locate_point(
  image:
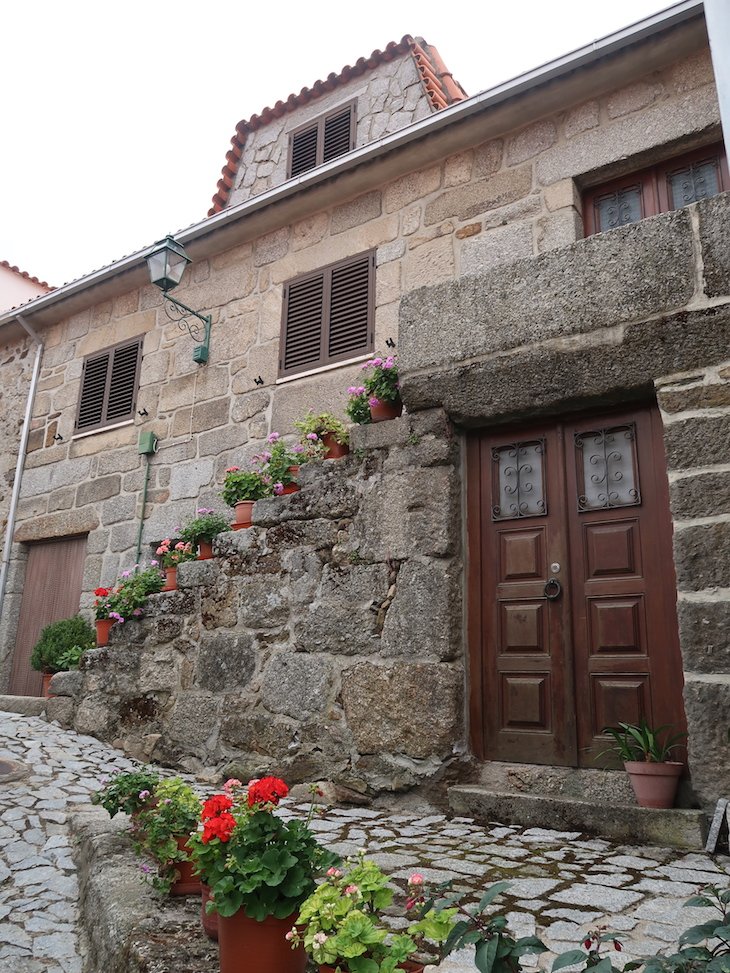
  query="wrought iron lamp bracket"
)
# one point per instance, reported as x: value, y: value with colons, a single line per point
x: 181, y: 314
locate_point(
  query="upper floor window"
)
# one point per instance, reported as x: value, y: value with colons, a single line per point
x: 319, y: 141
x: 669, y: 185
x: 109, y: 383
x: 328, y: 315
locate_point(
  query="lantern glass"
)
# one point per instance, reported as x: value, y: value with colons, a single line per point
x: 167, y: 263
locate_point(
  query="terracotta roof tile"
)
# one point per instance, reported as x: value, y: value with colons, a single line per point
x: 438, y: 83
x: 26, y: 276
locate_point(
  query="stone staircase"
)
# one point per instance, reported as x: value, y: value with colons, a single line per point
x: 570, y: 799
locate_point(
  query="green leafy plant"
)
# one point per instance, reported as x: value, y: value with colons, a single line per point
x: 207, y: 525
x: 357, y: 407
x: 278, y: 459
x: 342, y: 923
x: 642, y: 743
x: 71, y: 657
x: 171, y: 555
x: 128, y: 598
x: 381, y: 380
x: 496, y: 950
x: 127, y: 791
x: 324, y: 424
x: 245, y: 485
x: 704, y: 948
x: 252, y: 859
x: 173, y: 814
x: 51, y: 651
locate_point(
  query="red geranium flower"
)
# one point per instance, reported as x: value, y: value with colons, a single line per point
x: 221, y: 827
x: 268, y: 790
x: 216, y: 805
x: 101, y: 592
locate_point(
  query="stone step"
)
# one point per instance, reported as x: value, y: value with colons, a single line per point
x: 27, y: 705
x: 626, y: 823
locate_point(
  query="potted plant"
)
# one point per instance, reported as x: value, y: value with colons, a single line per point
x: 646, y: 753
x: 125, y: 599
x: 382, y: 388
x: 128, y: 791
x: 260, y: 869
x: 164, y: 827
x: 60, y: 646
x: 241, y: 489
x: 357, y: 407
x: 202, y: 529
x: 281, y: 463
x: 103, y: 607
x: 324, y: 430
x: 342, y: 924
x: 170, y: 555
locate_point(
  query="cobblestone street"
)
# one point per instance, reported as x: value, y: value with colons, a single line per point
x: 562, y: 883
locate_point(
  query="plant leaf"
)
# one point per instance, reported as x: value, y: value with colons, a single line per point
x: 491, y: 894
x: 570, y: 958
x: 485, y: 955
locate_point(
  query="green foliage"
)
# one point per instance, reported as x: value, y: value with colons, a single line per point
x: 381, y: 379
x: 641, y: 742
x: 279, y: 457
x: 71, y: 657
x: 245, y: 485
x: 357, y: 407
x: 128, y: 792
x: 173, y: 814
x: 267, y: 868
x: 58, y: 642
x: 204, y: 527
x: 341, y: 923
x: 321, y: 425
x: 129, y: 598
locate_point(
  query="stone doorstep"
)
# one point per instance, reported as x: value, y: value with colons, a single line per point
x: 677, y: 828
x: 27, y: 705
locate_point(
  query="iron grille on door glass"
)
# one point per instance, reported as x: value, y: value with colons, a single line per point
x: 109, y: 386
x: 325, y: 139
x: 328, y: 316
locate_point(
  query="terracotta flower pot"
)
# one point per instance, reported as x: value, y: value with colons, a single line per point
x: 655, y: 785
x: 334, y: 450
x: 241, y: 939
x: 209, y: 919
x: 205, y: 550
x: 243, y: 511
x: 291, y: 487
x: 103, y: 627
x: 187, y: 883
x: 47, y: 676
x: 171, y: 582
x: 386, y: 410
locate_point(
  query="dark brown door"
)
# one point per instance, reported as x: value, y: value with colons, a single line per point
x: 571, y: 589
x: 52, y: 591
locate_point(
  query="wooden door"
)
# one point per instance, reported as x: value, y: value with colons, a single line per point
x: 52, y: 591
x: 572, y: 621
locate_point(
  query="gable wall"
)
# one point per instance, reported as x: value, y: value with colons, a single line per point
x: 388, y: 98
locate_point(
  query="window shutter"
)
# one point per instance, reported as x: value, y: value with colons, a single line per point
x: 350, y: 309
x: 303, y: 324
x: 337, y: 135
x: 304, y: 151
x: 93, y: 391
x: 123, y: 385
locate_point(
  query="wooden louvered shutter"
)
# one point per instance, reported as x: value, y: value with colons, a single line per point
x: 302, y: 338
x: 93, y: 391
x: 337, y: 134
x: 350, y: 311
x: 303, y: 151
x: 123, y: 383
x: 328, y: 317
x: 109, y: 386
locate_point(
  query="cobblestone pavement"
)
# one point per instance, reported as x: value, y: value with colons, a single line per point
x: 562, y: 884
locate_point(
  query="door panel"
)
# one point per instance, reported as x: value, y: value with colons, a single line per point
x: 572, y: 616
x: 52, y: 591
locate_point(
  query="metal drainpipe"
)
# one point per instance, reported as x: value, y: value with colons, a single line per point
x: 717, y: 16
x: 22, y: 450
x: 141, y: 513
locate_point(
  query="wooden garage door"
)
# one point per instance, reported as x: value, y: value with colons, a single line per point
x: 572, y: 590
x: 52, y: 591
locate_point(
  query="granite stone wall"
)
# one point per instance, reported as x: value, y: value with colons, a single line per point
x: 324, y: 642
x: 16, y: 363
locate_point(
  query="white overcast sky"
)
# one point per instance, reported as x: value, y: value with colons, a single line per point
x: 116, y: 117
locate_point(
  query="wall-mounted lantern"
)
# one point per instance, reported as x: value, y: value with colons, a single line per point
x: 166, y: 264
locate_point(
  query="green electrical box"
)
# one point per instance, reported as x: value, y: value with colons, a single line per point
x: 147, y: 444
x: 200, y: 354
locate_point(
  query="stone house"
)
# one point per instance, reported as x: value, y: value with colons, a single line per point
x: 537, y: 549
